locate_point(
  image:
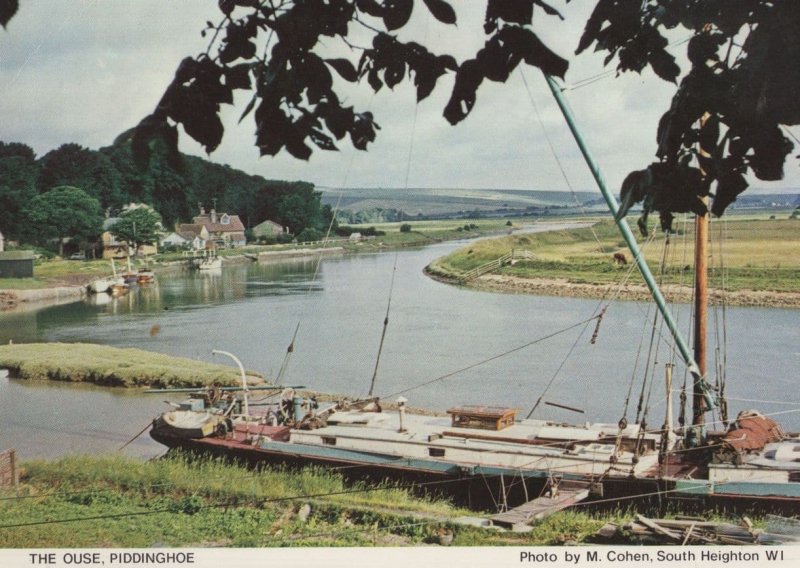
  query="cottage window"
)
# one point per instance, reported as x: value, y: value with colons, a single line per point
x: 225, y: 219
x: 436, y: 452
x: 329, y: 440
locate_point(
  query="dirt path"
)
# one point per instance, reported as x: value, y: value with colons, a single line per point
x: 681, y: 294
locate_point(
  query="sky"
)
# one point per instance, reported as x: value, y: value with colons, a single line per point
x: 84, y: 71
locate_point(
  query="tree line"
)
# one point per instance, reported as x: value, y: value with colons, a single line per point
x: 69, y: 191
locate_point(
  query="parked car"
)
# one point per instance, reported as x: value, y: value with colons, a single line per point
x: 77, y: 256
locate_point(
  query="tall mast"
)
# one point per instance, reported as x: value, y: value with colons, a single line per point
x: 700, y: 385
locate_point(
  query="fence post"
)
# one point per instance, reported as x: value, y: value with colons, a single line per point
x: 8, y: 468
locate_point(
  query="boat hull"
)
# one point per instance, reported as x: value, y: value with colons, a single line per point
x: 475, y: 487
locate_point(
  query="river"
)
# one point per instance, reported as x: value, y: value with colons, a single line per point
x: 339, y: 304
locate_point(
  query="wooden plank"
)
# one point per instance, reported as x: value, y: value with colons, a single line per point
x: 653, y: 525
x: 540, y: 508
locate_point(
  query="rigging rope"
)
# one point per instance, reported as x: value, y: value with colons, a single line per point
x: 493, y: 358
x: 396, y: 254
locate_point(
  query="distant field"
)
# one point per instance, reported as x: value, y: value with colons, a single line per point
x: 432, y: 202
x: 428, y: 202
x: 755, y: 254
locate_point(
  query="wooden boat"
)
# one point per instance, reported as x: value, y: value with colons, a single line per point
x: 485, y: 456
x: 210, y: 263
x: 111, y: 284
x: 477, y: 454
x: 129, y: 274
x: 100, y: 285
x: 145, y: 276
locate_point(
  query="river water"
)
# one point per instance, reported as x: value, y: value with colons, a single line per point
x: 338, y: 306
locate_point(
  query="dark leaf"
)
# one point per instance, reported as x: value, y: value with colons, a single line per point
x: 344, y: 68
x: 191, y: 107
x: 271, y: 128
x: 397, y: 13
x: 238, y: 77
x: 153, y: 130
x: 666, y: 188
x: 394, y: 73
x: 525, y: 44
x: 709, y: 134
x: 511, y: 11
x: 703, y: 47
x: 312, y: 73
x: 238, y: 44
x: 298, y: 148
x: 249, y: 108
x: 371, y: 7
x: 594, y: 24
x: 770, y: 148
x: 7, y: 10
x: 664, y: 65
x: 374, y: 80
x: 441, y: 10
x: 322, y: 140
x: 548, y: 8
x: 729, y: 186
x: 362, y: 131
x: 227, y: 6
x: 497, y: 60
x: 468, y: 79
x: 338, y: 120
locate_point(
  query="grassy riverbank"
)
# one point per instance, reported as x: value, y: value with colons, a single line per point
x: 110, y: 366
x: 54, y: 272
x: 748, y: 255
x: 114, y: 501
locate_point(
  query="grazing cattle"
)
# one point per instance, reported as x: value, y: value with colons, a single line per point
x: 619, y: 258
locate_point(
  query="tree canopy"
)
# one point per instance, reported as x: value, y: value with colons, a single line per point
x: 724, y: 122
x: 725, y: 118
x: 64, y: 212
x: 138, y: 226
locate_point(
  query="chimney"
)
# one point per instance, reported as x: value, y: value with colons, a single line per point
x: 202, y: 210
x: 213, y: 215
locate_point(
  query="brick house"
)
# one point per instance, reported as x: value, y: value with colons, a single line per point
x: 223, y: 229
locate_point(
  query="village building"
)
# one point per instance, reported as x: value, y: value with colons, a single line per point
x: 16, y: 264
x: 268, y: 229
x: 188, y: 235
x: 115, y: 248
x: 112, y: 247
x: 223, y: 229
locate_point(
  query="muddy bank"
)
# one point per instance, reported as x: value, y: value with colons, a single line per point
x: 680, y: 294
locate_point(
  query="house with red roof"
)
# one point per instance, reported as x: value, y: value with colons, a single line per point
x: 223, y: 229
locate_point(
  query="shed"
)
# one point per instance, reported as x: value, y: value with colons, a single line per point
x: 16, y: 264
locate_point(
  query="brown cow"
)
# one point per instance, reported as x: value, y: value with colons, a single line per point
x: 619, y: 258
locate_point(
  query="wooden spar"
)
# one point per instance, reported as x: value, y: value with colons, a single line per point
x: 625, y: 229
x: 225, y: 389
x: 700, y: 314
x: 701, y: 388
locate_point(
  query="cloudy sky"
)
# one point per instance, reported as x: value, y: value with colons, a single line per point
x: 85, y: 70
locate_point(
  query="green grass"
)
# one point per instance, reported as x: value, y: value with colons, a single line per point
x: 111, y: 366
x: 179, y: 500
x: 21, y: 284
x: 759, y: 254
x: 115, y: 501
